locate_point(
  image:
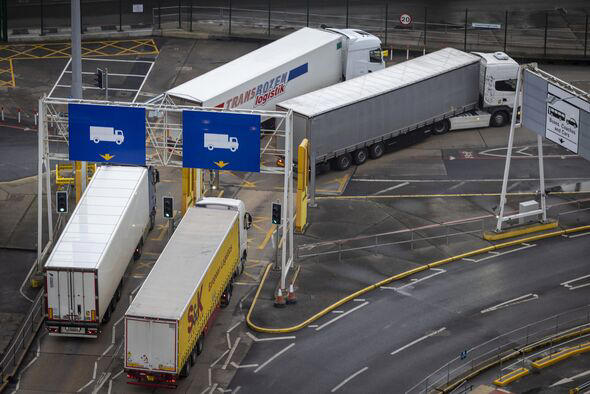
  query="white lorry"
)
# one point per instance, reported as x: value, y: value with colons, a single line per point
x: 448, y: 89
x: 300, y: 62
x: 220, y: 141
x: 108, y: 134
x: 84, y: 272
x: 176, y: 305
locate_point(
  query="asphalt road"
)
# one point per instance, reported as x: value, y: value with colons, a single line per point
x: 387, y: 321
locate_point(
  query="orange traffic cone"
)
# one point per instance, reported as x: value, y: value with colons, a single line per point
x: 279, y: 299
x: 291, y: 299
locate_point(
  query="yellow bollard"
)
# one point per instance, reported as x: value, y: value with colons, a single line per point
x: 302, y: 184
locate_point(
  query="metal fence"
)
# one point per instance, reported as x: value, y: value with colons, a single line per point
x: 22, y: 340
x: 568, y: 214
x: 509, y: 351
x: 534, y: 32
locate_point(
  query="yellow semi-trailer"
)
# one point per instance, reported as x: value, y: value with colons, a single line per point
x: 175, y: 307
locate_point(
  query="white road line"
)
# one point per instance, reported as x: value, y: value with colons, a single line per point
x: 419, y: 340
x: 231, y: 352
x: 578, y: 235
x: 102, y: 381
x: 312, y: 326
x: 501, y: 253
x: 514, y: 301
x: 387, y: 287
x: 359, y: 300
x: 573, y: 287
x: 415, y: 281
x: 210, y: 381
x: 337, y: 312
x: 457, y: 185
x: 569, y: 380
x: 233, y: 364
x: 234, y: 326
x: 391, y: 188
x: 228, y: 340
x: 115, y: 376
x: 213, y: 388
x: 342, y: 315
x: 236, y: 389
x: 106, y: 350
x: 219, y: 359
x: 273, y: 357
x: 86, y: 385
x: 269, y: 339
x: 360, y: 371
x: 143, y: 82
x: 94, y: 372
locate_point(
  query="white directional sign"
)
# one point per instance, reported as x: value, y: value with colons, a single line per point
x: 563, y: 119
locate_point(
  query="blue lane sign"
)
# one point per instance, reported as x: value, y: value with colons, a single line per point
x: 217, y: 140
x: 108, y: 134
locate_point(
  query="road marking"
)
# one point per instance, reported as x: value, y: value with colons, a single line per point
x: 415, y: 281
x: 496, y: 254
x: 458, y: 185
x: 337, y: 312
x: 86, y: 385
x: 577, y: 235
x: 312, y: 326
x: 234, y: 326
x: 358, y: 299
x: 231, y: 352
x: 569, y: 380
x: 233, y: 364
x: 573, y: 287
x: 415, y: 341
x: 269, y: 234
x: 342, y: 315
x: 348, y: 379
x: 391, y: 188
x: 101, y: 382
x: 219, y: 359
x: 273, y: 357
x: 236, y: 389
x: 269, y: 339
x: 514, y: 301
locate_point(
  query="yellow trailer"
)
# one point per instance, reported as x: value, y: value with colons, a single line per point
x: 175, y: 307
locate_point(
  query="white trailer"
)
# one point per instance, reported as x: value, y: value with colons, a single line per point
x: 300, y: 62
x: 176, y: 305
x: 84, y: 271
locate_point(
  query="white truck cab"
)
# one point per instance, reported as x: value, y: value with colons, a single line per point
x: 361, y: 53
x: 245, y: 218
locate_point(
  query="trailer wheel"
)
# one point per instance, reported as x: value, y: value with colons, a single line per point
x: 376, y: 150
x: 107, y: 315
x: 152, y: 220
x: 186, y: 370
x: 343, y: 161
x: 138, y: 250
x: 200, y: 345
x: 441, y: 127
x: 193, y: 357
x: 360, y: 156
x: 498, y: 119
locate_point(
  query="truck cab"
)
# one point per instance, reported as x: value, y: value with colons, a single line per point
x: 244, y: 217
x: 361, y: 53
x: 497, y: 83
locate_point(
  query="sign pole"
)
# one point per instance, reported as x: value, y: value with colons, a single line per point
x: 106, y: 81
x: 509, y: 151
x: 289, y: 135
x: 542, y: 178
x: 40, y: 188
x: 288, y: 165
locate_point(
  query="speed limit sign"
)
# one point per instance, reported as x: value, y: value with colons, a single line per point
x: 405, y: 19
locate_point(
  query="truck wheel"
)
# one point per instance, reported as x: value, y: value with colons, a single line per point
x: 118, y: 291
x: 498, y: 119
x: 138, y: 250
x: 152, y: 220
x: 360, y: 156
x: 441, y: 127
x: 242, y: 265
x: 186, y: 370
x: 193, y: 357
x: 343, y: 161
x: 200, y: 345
x: 376, y: 150
x: 107, y: 315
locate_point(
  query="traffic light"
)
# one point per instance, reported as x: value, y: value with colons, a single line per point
x: 168, y: 207
x: 62, y: 201
x: 276, y: 213
x: 99, y: 78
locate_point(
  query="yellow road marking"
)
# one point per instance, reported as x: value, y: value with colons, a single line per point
x: 220, y: 193
x: 250, y: 275
x: 267, y: 237
x: 160, y: 236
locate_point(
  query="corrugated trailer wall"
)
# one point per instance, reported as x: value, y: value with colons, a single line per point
x: 205, y: 299
x: 389, y: 114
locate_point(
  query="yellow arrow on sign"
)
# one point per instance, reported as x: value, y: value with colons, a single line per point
x: 220, y: 163
x: 107, y: 156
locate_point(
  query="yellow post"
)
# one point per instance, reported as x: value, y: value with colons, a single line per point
x: 78, y: 185
x: 302, y: 182
x: 190, y: 187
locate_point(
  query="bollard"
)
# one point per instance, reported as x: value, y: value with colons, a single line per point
x: 407, y: 53
x: 279, y: 299
x: 3, y: 114
x: 35, y: 116
x: 291, y: 299
x: 19, y: 115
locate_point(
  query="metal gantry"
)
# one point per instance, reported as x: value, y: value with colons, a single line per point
x: 164, y: 148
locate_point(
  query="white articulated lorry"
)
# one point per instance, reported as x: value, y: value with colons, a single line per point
x: 448, y: 89
x: 84, y: 272
x: 176, y: 305
x: 300, y: 62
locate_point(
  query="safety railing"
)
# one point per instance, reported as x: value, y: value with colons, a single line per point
x: 546, y: 335
x: 21, y: 341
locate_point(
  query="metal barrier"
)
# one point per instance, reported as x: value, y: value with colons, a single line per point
x: 21, y: 342
x: 494, y: 352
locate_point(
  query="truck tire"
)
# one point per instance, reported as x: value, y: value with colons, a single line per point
x: 186, y: 370
x: 360, y: 156
x: 441, y: 127
x: 138, y: 250
x: 193, y: 357
x: 343, y: 162
x: 376, y: 150
x: 226, y: 296
x: 498, y: 119
x: 152, y: 220
x: 107, y: 315
x: 200, y: 345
